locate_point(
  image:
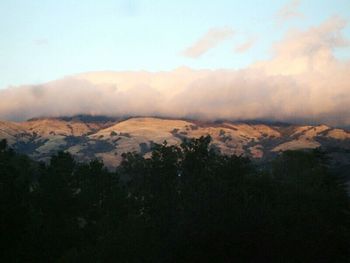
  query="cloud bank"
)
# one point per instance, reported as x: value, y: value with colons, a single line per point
x: 210, y: 40
x: 303, y: 81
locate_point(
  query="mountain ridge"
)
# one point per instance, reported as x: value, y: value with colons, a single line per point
x: 106, y: 138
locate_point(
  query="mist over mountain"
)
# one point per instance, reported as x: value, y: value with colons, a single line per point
x: 175, y: 131
x: 302, y: 82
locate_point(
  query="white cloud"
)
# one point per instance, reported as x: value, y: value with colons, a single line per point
x: 210, y: 40
x: 247, y: 45
x: 303, y: 81
x: 289, y: 11
x: 310, y: 50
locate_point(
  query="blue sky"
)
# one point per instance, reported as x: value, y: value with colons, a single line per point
x: 42, y: 40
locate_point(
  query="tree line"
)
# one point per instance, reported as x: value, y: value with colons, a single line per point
x: 186, y: 203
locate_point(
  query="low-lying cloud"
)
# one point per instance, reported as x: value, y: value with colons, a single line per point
x: 303, y: 81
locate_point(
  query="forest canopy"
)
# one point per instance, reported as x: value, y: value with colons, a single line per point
x: 185, y: 203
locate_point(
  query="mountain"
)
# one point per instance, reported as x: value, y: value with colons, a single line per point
x: 88, y: 137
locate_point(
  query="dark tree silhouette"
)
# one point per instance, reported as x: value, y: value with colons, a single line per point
x: 185, y: 203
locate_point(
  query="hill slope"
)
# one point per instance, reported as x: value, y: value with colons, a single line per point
x: 87, y: 138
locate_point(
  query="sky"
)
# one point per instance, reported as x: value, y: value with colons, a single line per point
x: 236, y: 60
x: 44, y: 40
